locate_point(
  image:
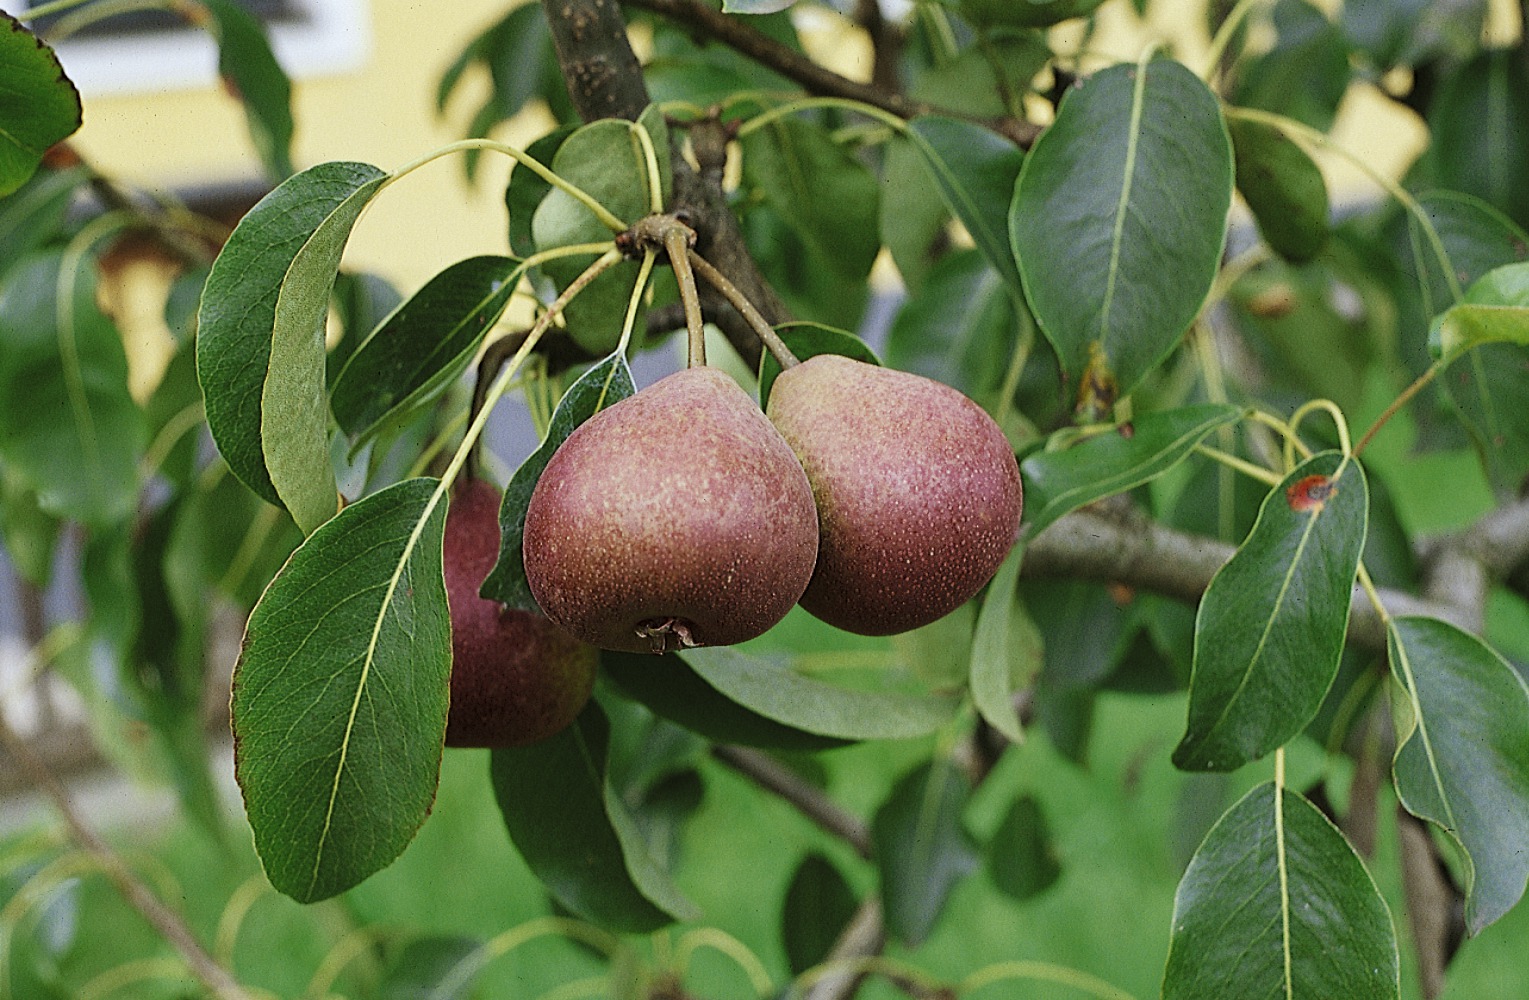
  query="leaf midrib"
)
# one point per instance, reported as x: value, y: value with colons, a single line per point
x: 1133, y: 137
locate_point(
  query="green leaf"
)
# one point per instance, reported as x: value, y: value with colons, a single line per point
x: 424, y: 965
x: 1272, y: 623
x: 913, y: 225
x: 1115, y: 460
x: 806, y: 340
x: 526, y: 188
x: 961, y: 328
x: 28, y: 534
x: 605, y: 159
x: 245, y: 61
x: 670, y: 688
x: 1477, y: 121
x: 922, y: 850
x: 1275, y: 903
x: 1495, y: 310
x: 975, y: 171
x: 1305, y: 74
x: 819, y: 904
x: 1021, y: 858
x: 421, y: 347
x: 1462, y: 760
x: 823, y: 193
x: 771, y: 688
x: 33, y: 215
x: 992, y: 675
x: 69, y: 430
x: 1283, y: 187
x: 988, y: 79
x: 1119, y: 218
x: 603, y: 384
x: 573, y: 831
x: 260, y: 336
x: 339, y: 701
x: 38, y: 106
x: 1025, y: 13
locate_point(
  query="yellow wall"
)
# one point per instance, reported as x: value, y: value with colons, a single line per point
x: 383, y: 114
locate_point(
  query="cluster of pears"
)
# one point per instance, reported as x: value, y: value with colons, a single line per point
x: 685, y: 516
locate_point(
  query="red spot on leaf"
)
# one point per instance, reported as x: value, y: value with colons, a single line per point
x: 1310, y: 493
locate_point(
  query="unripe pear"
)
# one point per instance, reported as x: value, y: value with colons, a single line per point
x: 515, y: 677
x: 917, y: 489
x: 677, y: 517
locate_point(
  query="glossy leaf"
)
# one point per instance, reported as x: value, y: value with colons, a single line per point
x: 605, y: 159
x: 975, y: 170
x: 818, y: 906
x: 1462, y: 760
x: 38, y: 107
x: 774, y: 690
x: 248, y: 65
x: 1275, y: 903
x: 574, y: 833
x: 922, y: 848
x: 992, y: 674
x: 1495, y: 310
x: 601, y: 385
x: 260, y: 336
x: 421, y: 347
x: 340, y: 694
x: 1057, y: 482
x: 1283, y: 187
x: 1272, y: 623
x: 1021, y: 858
x: 668, y: 687
x: 822, y: 192
x: 1119, y: 217
x: 69, y: 430
x: 807, y: 340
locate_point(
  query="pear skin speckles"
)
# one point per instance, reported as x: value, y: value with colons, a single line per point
x: 918, y: 492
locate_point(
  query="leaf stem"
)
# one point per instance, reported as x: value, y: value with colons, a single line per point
x: 525, y: 159
x: 721, y: 941
x: 1042, y: 972
x: 650, y: 160
x: 1334, y: 411
x: 1243, y: 466
x: 630, y: 321
x: 1218, y: 44
x: 745, y: 308
x: 1373, y: 593
x: 1023, y: 345
x: 769, y: 115
x: 1400, y: 401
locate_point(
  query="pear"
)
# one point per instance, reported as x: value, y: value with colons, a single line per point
x: 677, y: 517
x: 917, y: 489
x: 515, y: 677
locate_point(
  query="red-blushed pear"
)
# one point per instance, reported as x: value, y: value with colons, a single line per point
x: 516, y: 678
x: 917, y: 489
x: 676, y: 517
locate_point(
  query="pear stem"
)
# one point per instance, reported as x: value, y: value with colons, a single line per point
x: 746, y: 309
x: 677, y: 241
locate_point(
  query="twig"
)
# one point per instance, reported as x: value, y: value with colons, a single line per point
x: 139, y: 896
x: 808, y: 798
x: 815, y: 79
x: 865, y: 935
x: 1431, y: 900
